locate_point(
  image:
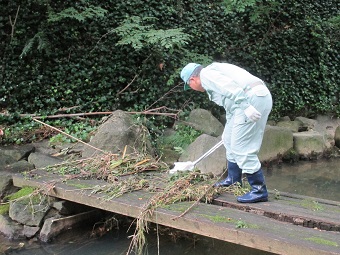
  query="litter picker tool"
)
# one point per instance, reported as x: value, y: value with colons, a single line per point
x: 189, y: 165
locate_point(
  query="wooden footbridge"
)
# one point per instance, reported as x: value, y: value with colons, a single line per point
x: 286, y: 224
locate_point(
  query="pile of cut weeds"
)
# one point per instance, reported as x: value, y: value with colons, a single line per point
x: 131, y: 172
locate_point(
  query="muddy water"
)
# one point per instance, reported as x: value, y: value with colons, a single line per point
x: 318, y: 179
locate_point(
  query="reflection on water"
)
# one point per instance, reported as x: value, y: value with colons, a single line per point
x: 117, y: 243
x: 318, y: 179
x: 312, y: 178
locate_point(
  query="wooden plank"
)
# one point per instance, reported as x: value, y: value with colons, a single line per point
x: 208, y: 220
x: 296, y: 209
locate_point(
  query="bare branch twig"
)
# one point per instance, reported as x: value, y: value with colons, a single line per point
x: 134, y: 78
x: 68, y: 135
x: 13, y: 23
x: 70, y: 115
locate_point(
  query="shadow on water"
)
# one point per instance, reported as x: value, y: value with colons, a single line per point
x: 317, y: 179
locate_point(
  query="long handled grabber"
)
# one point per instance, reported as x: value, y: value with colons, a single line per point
x: 189, y: 165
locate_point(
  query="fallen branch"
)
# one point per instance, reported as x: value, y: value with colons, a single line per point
x: 70, y: 115
x: 68, y: 135
x: 64, y: 109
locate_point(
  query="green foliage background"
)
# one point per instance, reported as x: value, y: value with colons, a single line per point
x: 108, y: 55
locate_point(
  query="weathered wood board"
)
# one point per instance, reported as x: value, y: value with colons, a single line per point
x: 296, y: 209
x: 229, y: 222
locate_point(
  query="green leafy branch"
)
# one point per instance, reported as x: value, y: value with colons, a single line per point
x: 71, y: 13
x: 134, y: 33
x: 260, y: 8
x: 42, y: 42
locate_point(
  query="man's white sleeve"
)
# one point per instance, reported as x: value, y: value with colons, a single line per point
x: 215, y: 81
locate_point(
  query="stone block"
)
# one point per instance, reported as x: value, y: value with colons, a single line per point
x: 40, y: 160
x: 307, y: 143
x: 294, y: 126
x: 19, y: 167
x: 118, y: 131
x: 29, y: 210
x: 10, y: 229
x: 276, y: 141
x: 215, y: 163
x: 29, y: 232
x: 204, y: 121
x: 306, y: 124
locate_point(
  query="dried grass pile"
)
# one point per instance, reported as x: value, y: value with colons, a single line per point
x: 127, y: 173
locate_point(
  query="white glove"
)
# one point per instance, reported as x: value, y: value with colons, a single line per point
x: 252, y: 113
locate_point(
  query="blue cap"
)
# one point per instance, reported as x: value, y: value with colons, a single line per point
x: 187, y: 72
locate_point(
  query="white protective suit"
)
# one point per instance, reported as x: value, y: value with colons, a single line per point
x: 235, y: 89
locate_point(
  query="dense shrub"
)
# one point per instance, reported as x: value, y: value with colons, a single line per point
x: 70, y: 53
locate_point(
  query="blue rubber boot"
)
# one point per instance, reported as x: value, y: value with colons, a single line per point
x: 234, y: 175
x: 258, y: 191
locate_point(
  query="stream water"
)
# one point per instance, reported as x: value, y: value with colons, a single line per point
x: 317, y: 179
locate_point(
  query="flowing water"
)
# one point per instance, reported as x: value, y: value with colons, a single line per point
x: 317, y: 179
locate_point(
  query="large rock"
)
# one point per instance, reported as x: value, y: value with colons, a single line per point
x: 117, y: 132
x: 326, y: 126
x: 306, y: 123
x: 29, y: 231
x: 204, y: 121
x: 215, y: 163
x: 276, y: 141
x: 29, y: 210
x: 19, y: 167
x: 17, y: 152
x: 41, y: 160
x: 6, y: 184
x: 5, y: 160
x: 170, y: 156
x: 308, y: 143
x: 9, y: 228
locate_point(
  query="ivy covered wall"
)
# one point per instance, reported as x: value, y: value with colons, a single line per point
x: 107, y: 55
